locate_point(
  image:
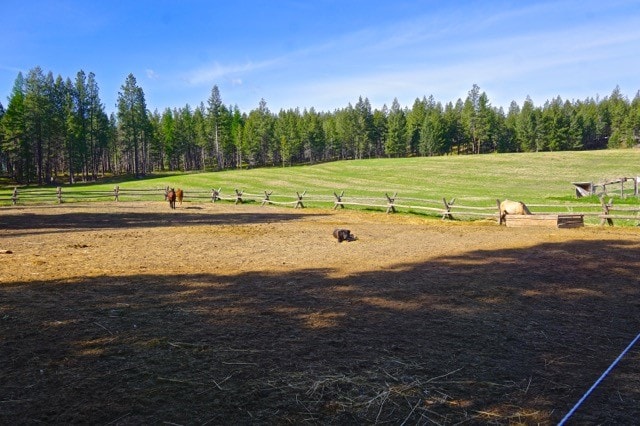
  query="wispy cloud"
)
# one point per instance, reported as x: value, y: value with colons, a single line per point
x: 211, y: 74
x: 417, y: 58
x: 151, y: 74
x: 324, y: 60
x: 13, y: 70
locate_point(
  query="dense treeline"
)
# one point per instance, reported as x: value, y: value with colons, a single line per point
x: 55, y: 127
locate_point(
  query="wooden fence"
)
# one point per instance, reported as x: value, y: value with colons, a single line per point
x: 619, y: 186
x: 609, y: 213
x: 603, y: 213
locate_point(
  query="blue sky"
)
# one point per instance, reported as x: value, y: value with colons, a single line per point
x: 326, y: 53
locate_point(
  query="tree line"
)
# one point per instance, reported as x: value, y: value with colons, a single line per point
x: 55, y: 128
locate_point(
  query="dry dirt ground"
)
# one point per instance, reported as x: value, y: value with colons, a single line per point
x: 130, y: 313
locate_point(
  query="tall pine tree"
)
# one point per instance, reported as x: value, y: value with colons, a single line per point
x: 133, y: 124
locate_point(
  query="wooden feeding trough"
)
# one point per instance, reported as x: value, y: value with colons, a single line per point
x: 584, y: 189
x: 545, y: 220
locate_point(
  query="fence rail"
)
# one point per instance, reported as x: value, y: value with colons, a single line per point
x: 605, y: 212
x: 609, y: 213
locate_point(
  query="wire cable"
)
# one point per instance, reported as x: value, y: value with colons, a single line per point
x: 591, y: 389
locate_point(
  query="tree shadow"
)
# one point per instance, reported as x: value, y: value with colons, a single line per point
x: 33, y: 223
x: 491, y: 336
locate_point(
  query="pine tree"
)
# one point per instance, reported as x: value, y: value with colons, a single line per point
x: 237, y: 135
x: 633, y: 120
x: 345, y: 133
x: 13, y: 124
x: 133, y: 123
x: 167, y: 138
x: 260, y: 145
x: 288, y: 130
x: 363, y: 122
x: 432, y: 131
x: 485, y: 132
x: 97, y: 132
x: 185, y: 136
x: 156, y: 150
x: 396, y: 131
x: 526, y: 130
x: 415, y: 121
x: 36, y: 112
x: 617, y: 106
x: 379, y: 131
x: 3, y: 158
x: 81, y: 124
x: 454, y: 130
x: 313, y: 138
x: 508, y: 143
x: 214, y: 112
x: 201, y: 137
x: 470, y: 118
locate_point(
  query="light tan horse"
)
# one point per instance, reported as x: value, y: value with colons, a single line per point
x: 512, y: 207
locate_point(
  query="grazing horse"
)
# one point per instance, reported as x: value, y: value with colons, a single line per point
x: 343, y: 235
x: 171, y: 196
x: 512, y: 207
x: 179, y: 195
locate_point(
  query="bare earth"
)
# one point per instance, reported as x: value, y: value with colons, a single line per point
x: 130, y: 313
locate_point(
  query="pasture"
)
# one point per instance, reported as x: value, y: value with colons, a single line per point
x: 535, y: 178
x: 132, y: 313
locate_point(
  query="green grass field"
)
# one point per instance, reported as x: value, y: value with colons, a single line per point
x: 535, y: 178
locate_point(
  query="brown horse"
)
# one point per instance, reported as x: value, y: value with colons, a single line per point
x: 179, y: 195
x: 512, y: 207
x: 171, y: 196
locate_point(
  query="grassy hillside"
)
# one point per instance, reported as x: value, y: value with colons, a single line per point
x: 531, y: 177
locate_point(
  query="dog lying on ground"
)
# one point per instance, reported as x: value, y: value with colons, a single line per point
x: 343, y: 235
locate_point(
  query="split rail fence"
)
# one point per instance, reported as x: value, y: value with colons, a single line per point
x: 603, y: 213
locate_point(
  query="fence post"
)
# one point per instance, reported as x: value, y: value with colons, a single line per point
x: 59, y: 192
x: 299, y: 202
x: 266, y: 199
x: 116, y: 192
x: 390, y: 202
x: 605, y: 212
x: 447, y: 206
x: 14, y: 197
x: 238, y: 196
x: 215, y: 194
x: 338, y: 200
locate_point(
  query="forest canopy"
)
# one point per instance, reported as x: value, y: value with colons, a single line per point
x: 55, y: 128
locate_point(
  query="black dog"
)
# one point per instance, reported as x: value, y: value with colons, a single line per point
x: 343, y: 235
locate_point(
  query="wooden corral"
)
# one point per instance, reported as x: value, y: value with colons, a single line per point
x: 546, y: 220
x: 585, y: 189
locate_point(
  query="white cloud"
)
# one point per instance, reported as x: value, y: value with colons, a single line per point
x: 510, y: 55
x: 151, y: 74
x: 212, y: 73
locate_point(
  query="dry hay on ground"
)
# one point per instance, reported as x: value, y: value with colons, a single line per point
x: 131, y: 313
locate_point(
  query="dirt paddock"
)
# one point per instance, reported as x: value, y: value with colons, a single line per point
x: 130, y: 313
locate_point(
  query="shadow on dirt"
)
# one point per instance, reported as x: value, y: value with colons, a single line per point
x: 61, y: 222
x: 500, y: 337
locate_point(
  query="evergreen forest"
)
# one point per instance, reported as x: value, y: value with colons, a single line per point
x: 56, y: 129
